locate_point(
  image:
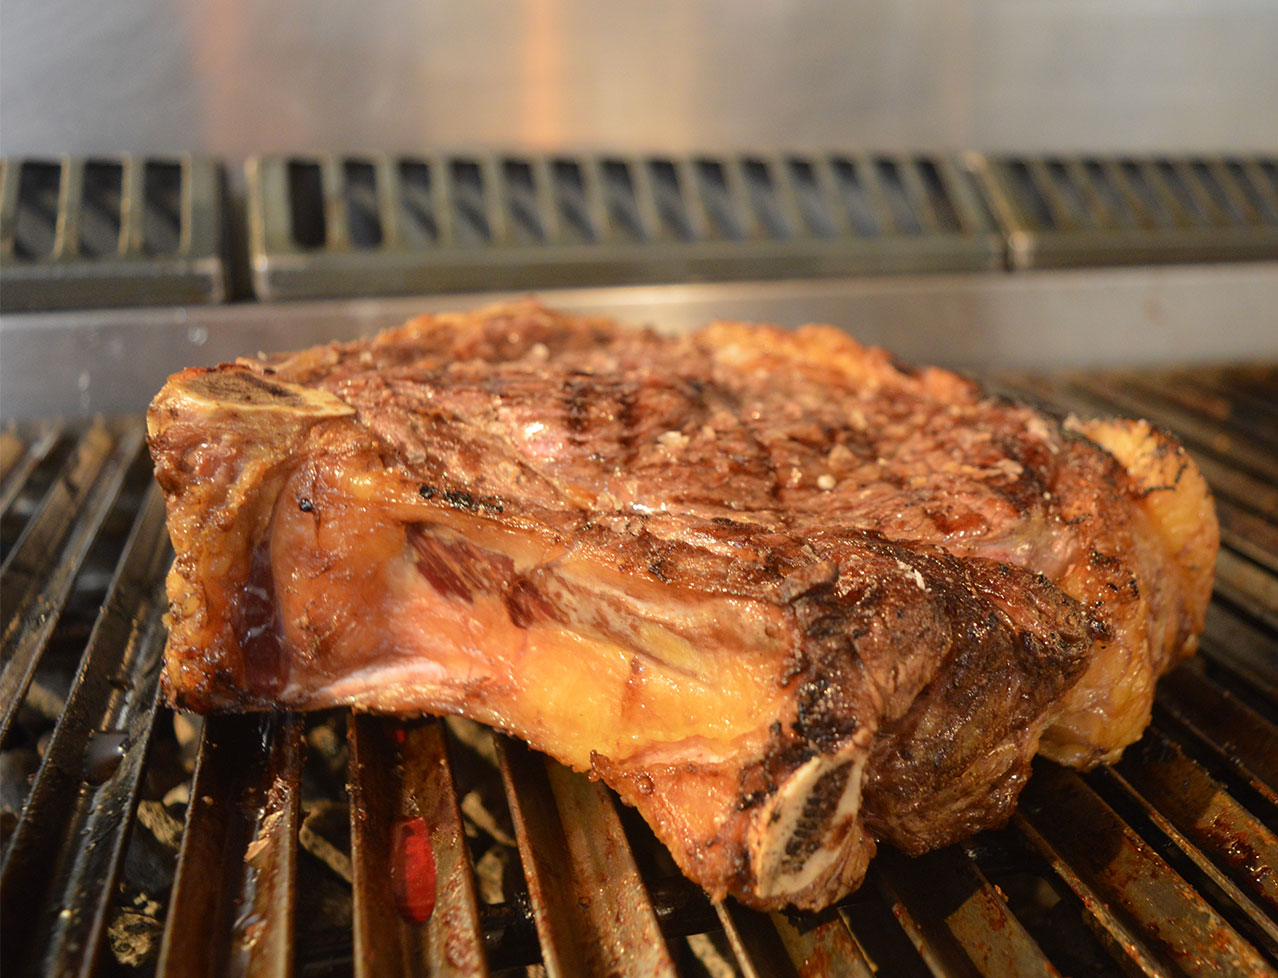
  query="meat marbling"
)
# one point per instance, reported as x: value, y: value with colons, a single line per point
x: 787, y: 596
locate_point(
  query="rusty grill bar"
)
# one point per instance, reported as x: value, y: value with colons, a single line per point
x: 340, y: 844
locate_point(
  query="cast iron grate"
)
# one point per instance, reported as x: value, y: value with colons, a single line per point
x: 136, y: 842
x: 114, y: 231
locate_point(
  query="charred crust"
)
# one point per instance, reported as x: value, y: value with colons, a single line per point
x: 1098, y: 559
x: 460, y: 499
x: 577, y: 393
x: 463, y: 500
x: 1098, y: 629
x: 822, y: 720
x: 796, y: 666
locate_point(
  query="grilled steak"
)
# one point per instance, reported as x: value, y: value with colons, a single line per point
x: 787, y: 596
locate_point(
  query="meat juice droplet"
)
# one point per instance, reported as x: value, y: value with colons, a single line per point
x: 103, y: 754
x: 413, y: 869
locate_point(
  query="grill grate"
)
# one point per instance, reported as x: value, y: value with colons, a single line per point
x: 1060, y: 212
x: 348, y: 225
x: 1160, y: 865
x: 122, y: 231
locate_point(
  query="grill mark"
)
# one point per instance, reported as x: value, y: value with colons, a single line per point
x: 627, y: 418
x: 730, y: 402
x: 576, y: 394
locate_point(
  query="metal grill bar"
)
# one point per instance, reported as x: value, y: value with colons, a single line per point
x: 1187, y: 393
x: 1243, y: 649
x: 1238, y: 486
x: 393, y: 872
x: 592, y: 912
x: 1107, y: 861
x: 66, y: 851
x: 1241, y: 452
x: 1225, y: 841
x: 231, y: 910
x: 1249, y: 587
x: 933, y: 942
x: 755, y: 942
x: 952, y: 908
x: 1249, y: 535
x: 1236, y: 734
x: 822, y: 944
x: 69, y: 519
x: 22, y: 457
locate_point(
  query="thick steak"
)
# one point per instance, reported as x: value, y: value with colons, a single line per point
x: 786, y: 596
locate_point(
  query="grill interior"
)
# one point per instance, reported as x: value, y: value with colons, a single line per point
x: 117, y: 231
x: 141, y: 842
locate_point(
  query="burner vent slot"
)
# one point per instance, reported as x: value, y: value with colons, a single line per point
x: 306, y: 200
x: 419, y: 225
x: 572, y: 202
x: 522, y: 187
x: 469, y: 199
x: 668, y: 194
x: 363, y: 216
x: 36, y: 221
x: 162, y: 221
x: 101, y: 209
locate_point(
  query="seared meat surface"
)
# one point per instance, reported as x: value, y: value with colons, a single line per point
x: 786, y: 596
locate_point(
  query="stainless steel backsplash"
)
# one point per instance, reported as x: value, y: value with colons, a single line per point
x: 240, y: 76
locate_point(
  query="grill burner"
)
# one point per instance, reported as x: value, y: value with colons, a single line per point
x: 135, y: 230
x: 348, y: 225
x: 1061, y: 212
x: 333, y: 225
x: 118, y: 231
x: 304, y: 848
